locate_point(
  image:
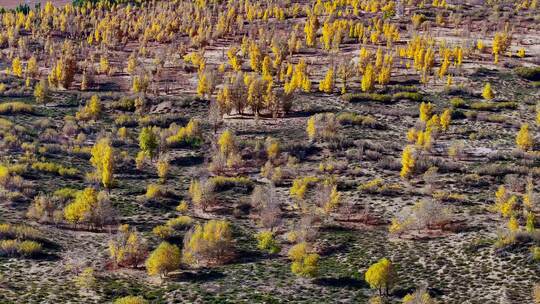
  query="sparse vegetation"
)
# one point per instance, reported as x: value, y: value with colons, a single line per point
x: 269, y: 151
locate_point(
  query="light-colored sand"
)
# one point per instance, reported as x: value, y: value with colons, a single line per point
x: 31, y: 3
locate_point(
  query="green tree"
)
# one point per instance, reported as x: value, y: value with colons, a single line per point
x: 148, y: 141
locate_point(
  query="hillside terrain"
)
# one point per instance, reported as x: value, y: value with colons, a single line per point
x: 283, y: 151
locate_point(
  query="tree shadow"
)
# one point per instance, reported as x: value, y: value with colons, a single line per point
x: 249, y: 256
x: 197, y: 276
x: 187, y: 161
x: 401, y: 292
x: 341, y: 282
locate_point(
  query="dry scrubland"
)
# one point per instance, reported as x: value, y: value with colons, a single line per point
x: 270, y: 152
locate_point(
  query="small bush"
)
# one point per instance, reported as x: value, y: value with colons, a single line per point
x: 267, y: 242
x: 532, y: 73
x: 163, y: 231
x: 493, y: 106
x: 130, y: 300
x: 15, y: 107
x: 209, y: 244
x: 412, y: 96
x: 457, y: 102
x: 364, y: 97
x: 221, y: 183
x: 181, y: 222
x: 55, y: 168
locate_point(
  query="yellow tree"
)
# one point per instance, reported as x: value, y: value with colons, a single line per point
x: 32, y: 68
x: 103, y: 161
x: 304, y: 263
x: 16, y: 67
x: 226, y: 143
x: 311, y: 128
x: 327, y: 84
x: 255, y: 57
x: 381, y: 276
x: 234, y: 60
x: 524, y: 139
x: 446, y: 118
x: 407, y: 162
x: 208, y: 244
x: 487, y: 92
x: 368, y: 79
x: 426, y: 110
x: 310, y: 29
x: 41, y: 92
x: 164, y: 259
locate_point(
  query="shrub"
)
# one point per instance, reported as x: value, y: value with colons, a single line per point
x: 349, y: 118
x: 91, y: 208
x: 15, y: 107
x: 130, y: 300
x: 457, y: 102
x: 127, y: 248
x: 304, y: 263
x: 164, y: 259
x: 154, y: 191
x: 8, y: 247
x: 19, y: 231
x: 209, y: 244
x: 413, y: 96
x: 201, y: 193
x: 181, y: 222
x: 163, y: 231
x: 55, y: 168
x: 364, y: 97
x: 221, y: 183
x: 524, y: 140
x: 493, y: 106
x: 529, y: 73
x: 125, y: 120
x: 189, y: 135
x: 423, y: 215
x: 420, y: 296
x: 300, y: 186
x: 267, y: 242
x: 29, y: 248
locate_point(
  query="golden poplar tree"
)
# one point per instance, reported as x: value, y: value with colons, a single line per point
x: 327, y: 84
x: 407, y: 162
x: 103, y: 161
x: 368, y: 79
x: 524, y: 139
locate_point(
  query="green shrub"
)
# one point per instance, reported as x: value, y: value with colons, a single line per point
x: 181, y: 222
x: 457, y: 102
x: 349, y: 118
x: 15, y: 107
x: 221, y: 183
x: 364, y: 97
x: 493, y: 106
x: 29, y: 248
x: 413, y: 96
x: 130, y: 300
x: 529, y: 73
x: 163, y: 231
x: 267, y: 242
x: 125, y: 120
x: 55, y: 168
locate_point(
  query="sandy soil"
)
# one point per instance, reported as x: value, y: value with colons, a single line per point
x: 14, y: 3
